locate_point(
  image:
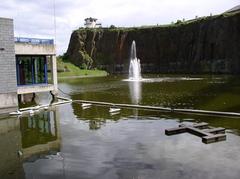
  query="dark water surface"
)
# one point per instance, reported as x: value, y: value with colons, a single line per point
x: 70, y: 142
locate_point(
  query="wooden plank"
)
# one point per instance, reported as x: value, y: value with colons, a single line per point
x: 214, y: 138
x: 208, y: 135
x: 218, y: 130
x: 183, y: 128
x: 201, y: 125
x: 197, y: 132
x: 176, y: 130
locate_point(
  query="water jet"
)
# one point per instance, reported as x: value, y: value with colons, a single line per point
x: 134, y: 66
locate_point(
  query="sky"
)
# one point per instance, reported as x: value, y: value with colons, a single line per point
x: 33, y: 18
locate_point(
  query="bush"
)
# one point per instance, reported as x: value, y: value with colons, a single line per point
x: 83, y: 66
x: 86, y: 60
x: 178, y: 22
x: 112, y: 27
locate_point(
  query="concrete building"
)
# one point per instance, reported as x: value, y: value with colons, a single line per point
x: 91, y: 23
x: 24, y: 66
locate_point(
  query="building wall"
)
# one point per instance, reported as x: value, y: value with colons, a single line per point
x: 8, y: 81
x: 39, y: 49
x: 25, y: 49
x: 90, y: 24
x: 33, y: 49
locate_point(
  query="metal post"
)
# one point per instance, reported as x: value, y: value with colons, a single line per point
x: 45, y: 70
x: 54, y: 73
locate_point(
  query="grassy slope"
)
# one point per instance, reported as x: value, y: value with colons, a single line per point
x: 74, y: 71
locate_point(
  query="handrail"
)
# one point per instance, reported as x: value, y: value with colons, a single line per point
x: 34, y: 41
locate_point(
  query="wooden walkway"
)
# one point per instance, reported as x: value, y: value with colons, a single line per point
x: 208, y: 135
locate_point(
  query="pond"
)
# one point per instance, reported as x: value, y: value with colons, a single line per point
x: 69, y: 141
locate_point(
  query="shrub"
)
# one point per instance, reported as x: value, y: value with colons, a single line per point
x: 178, y: 22
x: 112, y: 27
x: 87, y: 61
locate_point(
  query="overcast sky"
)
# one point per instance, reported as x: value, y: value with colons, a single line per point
x: 33, y: 18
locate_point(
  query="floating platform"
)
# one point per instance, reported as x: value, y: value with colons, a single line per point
x: 86, y: 105
x: 114, y: 110
x: 208, y: 135
x: 34, y: 109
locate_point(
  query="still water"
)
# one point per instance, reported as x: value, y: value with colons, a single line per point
x: 71, y: 142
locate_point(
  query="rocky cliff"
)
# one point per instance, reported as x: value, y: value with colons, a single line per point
x: 204, y: 45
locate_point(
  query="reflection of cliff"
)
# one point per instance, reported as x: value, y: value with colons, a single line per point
x: 208, y: 44
x: 96, y: 116
x: 10, y: 138
x: 40, y: 133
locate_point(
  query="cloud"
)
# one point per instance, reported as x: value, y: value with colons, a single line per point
x: 35, y: 18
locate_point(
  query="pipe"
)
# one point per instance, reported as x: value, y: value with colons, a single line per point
x: 166, y: 109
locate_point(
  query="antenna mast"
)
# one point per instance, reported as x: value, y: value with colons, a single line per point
x: 54, y: 14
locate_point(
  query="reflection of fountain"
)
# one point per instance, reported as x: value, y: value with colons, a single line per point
x: 134, y: 67
x: 135, y: 88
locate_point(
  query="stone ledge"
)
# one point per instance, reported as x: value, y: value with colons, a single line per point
x: 35, y: 88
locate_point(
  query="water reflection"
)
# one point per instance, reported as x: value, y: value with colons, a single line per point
x: 94, y: 124
x: 135, y: 88
x: 24, y: 138
x: 124, y: 149
x: 220, y: 93
x: 40, y: 133
x: 10, y: 137
x: 97, y: 144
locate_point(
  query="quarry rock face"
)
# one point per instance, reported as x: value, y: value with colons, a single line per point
x: 203, y: 45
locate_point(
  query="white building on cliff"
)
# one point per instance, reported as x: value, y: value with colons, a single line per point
x: 92, y: 23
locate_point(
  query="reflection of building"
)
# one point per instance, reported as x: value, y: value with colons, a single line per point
x: 23, y: 66
x: 31, y: 135
x: 10, y: 137
x: 91, y: 23
x: 40, y: 133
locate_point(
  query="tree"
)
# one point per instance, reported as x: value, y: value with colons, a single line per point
x: 112, y: 27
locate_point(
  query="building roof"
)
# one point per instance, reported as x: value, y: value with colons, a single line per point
x: 6, y: 18
x: 91, y: 19
x: 236, y: 8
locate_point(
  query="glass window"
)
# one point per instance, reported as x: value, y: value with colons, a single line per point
x: 39, y: 69
x: 24, y: 70
x: 31, y: 70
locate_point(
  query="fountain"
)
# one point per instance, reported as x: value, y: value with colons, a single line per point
x: 134, y: 67
x: 135, y: 72
x: 135, y: 77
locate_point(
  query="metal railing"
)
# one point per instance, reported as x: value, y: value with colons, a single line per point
x: 34, y: 41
